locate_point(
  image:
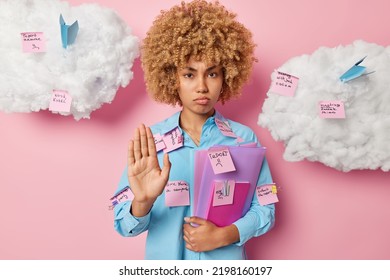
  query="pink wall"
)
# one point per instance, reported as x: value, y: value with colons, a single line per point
x: 56, y: 174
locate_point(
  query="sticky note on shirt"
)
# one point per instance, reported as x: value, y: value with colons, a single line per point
x: 284, y: 84
x: 33, y: 42
x: 60, y: 101
x: 331, y: 109
x: 172, y: 140
x: 177, y: 193
x: 159, y: 142
x: 223, y: 192
x: 225, y: 128
x: 221, y: 160
x: 124, y: 195
x: 266, y: 194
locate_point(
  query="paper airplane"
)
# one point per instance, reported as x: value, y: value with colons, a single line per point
x: 68, y: 32
x: 355, y: 72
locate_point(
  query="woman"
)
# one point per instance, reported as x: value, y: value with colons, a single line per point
x: 195, y: 55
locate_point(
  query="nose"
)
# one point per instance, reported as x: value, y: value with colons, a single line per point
x: 202, y: 86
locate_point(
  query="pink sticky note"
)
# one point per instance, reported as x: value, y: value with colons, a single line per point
x: 158, y: 140
x: 331, y: 109
x: 284, y: 84
x: 221, y: 160
x: 60, y: 101
x: 33, y: 42
x: 177, y: 193
x: 225, y: 128
x: 265, y: 195
x: 223, y: 193
x: 173, y: 140
x: 124, y: 195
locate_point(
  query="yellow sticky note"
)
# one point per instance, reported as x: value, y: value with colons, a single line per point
x: 274, y: 189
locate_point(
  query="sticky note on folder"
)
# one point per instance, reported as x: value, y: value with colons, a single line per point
x: 68, y: 32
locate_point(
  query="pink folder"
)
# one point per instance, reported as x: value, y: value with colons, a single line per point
x: 224, y: 215
x: 247, y: 160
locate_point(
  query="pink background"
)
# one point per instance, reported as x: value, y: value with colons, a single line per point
x: 56, y: 174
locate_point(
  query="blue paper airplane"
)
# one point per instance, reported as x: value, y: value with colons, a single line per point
x: 354, y: 72
x: 68, y: 32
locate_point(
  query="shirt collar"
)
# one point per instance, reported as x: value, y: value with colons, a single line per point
x: 174, y: 121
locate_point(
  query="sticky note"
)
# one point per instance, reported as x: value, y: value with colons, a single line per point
x: 225, y: 128
x: 33, y: 42
x: 221, y: 160
x: 266, y: 194
x: 223, y: 192
x: 172, y: 140
x: 68, y: 32
x: 284, y: 84
x: 177, y: 193
x: 60, y: 101
x: 159, y: 142
x: 331, y: 109
x: 125, y: 195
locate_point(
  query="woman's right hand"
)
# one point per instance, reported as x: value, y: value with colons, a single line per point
x: 146, y: 178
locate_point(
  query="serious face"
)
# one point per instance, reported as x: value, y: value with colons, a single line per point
x: 200, y: 86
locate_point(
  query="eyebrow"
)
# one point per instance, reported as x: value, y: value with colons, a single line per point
x: 194, y: 70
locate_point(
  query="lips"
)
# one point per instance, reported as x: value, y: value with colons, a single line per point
x: 202, y: 100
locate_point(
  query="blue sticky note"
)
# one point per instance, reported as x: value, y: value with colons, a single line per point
x: 68, y: 32
x: 354, y: 72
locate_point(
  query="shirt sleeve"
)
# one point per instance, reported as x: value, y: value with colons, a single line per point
x: 259, y: 219
x: 124, y: 222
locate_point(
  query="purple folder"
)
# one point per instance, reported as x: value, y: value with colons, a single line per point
x: 247, y: 161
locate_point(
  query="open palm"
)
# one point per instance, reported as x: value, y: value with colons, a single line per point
x: 146, y: 178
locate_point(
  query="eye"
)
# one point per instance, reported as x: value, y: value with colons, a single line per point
x: 188, y: 75
x: 213, y: 74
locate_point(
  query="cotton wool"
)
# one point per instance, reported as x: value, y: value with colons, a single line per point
x: 91, y: 70
x: 361, y: 140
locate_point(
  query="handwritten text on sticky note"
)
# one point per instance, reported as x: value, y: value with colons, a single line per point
x: 125, y: 195
x: 223, y: 192
x: 221, y: 160
x: 33, y: 42
x: 177, y: 193
x: 173, y: 140
x: 331, y: 109
x: 284, y: 84
x: 159, y: 142
x: 225, y: 128
x: 266, y: 194
x: 60, y: 101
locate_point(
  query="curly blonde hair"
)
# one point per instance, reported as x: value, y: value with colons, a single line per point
x: 202, y: 30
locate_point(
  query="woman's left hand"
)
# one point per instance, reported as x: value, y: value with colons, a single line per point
x: 206, y: 236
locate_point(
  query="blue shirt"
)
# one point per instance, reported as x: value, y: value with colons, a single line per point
x: 165, y: 224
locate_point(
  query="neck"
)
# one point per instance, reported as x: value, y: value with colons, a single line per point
x: 193, y: 124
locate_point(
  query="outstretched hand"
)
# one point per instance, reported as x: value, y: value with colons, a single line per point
x: 146, y: 178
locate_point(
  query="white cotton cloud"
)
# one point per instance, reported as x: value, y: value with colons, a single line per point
x: 362, y: 139
x: 90, y: 70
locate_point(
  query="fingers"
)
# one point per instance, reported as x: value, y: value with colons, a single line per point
x: 130, y: 154
x: 150, y: 141
x: 166, y: 166
x: 195, y: 220
x: 144, y: 141
x: 137, y: 144
x: 141, y: 145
